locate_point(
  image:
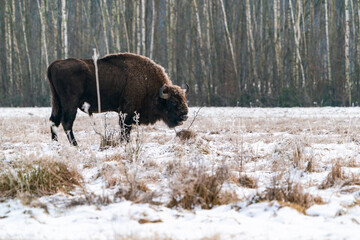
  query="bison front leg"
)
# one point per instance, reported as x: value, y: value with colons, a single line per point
x: 67, y: 123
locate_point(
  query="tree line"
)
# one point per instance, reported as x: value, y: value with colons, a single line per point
x: 230, y: 52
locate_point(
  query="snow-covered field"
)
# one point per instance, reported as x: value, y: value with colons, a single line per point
x: 274, y: 173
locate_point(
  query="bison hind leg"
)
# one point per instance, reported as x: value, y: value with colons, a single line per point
x: 53, y: 129
x: 55, y: 122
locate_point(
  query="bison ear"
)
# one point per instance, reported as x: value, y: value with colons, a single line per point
x: 162, y: 94
x: 186, y: 90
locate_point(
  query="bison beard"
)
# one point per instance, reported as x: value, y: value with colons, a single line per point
x: 128, y: 83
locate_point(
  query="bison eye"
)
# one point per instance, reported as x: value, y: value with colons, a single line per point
x: 174, y: 104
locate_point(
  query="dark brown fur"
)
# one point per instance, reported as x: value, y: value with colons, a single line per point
x: 128, y: 83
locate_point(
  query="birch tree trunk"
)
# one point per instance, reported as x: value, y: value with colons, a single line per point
x: 208, y: 50
x: 30, y: 77
x: 43, y: 43
x: 277, y: 41
x: 122, y: 13
x: 8, y: 46
x: 201, y: 45
x: 297, y: 44
x: 3, y: 59
x: 153, y: 18
x: 88, y: 24
x: 142, y: 26
x: 43, y: 31
x: 104, y: 17
x: 17, y: 70
x: 252, y: 51
x: 328, y: 42
x: 64, y: 30
x: 347, y: 51
x: 358, y: 35
x: 228, y: 38
x: 170, y: 37
x: 116, y: 28
x: 138, y: 27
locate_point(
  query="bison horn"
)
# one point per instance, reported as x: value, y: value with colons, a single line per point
x: 187, y: 88
x: 162, y: 94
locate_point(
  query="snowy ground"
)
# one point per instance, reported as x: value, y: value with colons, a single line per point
x: 278, y: 148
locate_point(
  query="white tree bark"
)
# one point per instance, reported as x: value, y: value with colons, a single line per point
x: 208, y: 46
x: 15, y: 43
x: 358, y: 32
x: 138, y: 27
x: 122, y: 13
x: 87, y: 17
x: 277, y: 41
x: 43, y: 32
x: 26, y: 41
x: 201, y: 45
x: 104, y: 18
x: 228, y: 38
x: 347, y: 50
x: 327, y: 41
x: 142, y: 23
x: 153, y: 18
x: 251, y: 44
x: 297, y: 39
x: 198, y: 25
x: 116, y: 26
x: 170, y: 39
x: 43, y: 44
x: 64, y: 30
x: 8, y: 42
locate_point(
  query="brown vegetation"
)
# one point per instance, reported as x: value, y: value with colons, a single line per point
x: 37, y: 177
x: 292, y: 195
x: 199, y: 189
x: 262, y: 154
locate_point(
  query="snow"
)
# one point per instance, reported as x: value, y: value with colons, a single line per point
x: 263, y: 143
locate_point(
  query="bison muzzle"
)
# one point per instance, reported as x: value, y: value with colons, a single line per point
x: 128, y: 82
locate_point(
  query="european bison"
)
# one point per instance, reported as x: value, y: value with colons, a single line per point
x: 128, y: 83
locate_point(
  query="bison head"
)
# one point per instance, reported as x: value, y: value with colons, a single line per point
x: 173, y: 105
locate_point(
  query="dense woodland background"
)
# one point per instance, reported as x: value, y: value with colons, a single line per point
x: 231, y: 52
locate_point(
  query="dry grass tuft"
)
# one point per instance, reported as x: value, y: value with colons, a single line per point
x: 112, y: 139
x: 200, y: 189
x: 335, y: 176
x: 292, y: 196
x: 310, y: 166
x: 141, y: 194
x: 186, y: 134
x: 248, y: 182
x: 144, y: 220
x: 37, y: 177
x: 135, y: 237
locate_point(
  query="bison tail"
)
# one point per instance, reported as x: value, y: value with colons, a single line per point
x: 55, y: 101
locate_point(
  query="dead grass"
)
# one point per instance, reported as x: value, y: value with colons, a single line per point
x: 112, y: 139
x: 292, y: 195
x: 144, y: 221
x: 199, y: 189
x: 335, y: 176
x: 235, y: 139
x: 135, y: 237
x: 186, y: 134
x: 248, y: 182
x: 37, y: 177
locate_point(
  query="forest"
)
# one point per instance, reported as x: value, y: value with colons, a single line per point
x: 251, y: 53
